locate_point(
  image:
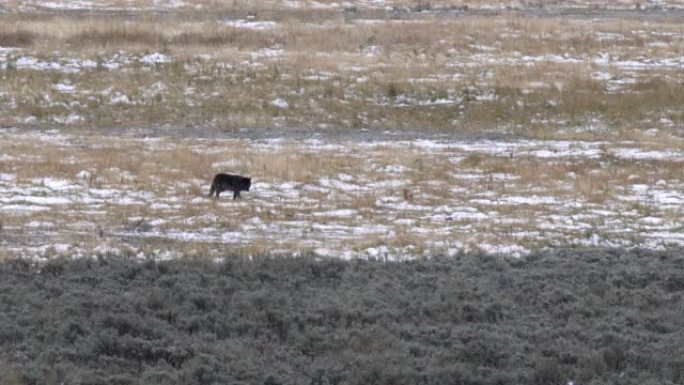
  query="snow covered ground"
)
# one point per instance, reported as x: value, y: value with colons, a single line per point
x: 607, y: 74
x: 81, y: 88
x: 90, y: 195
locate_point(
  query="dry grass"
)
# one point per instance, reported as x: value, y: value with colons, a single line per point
x: 406, y: 198
x: 204, y: 7
x: 332, y: 73
x: 15, y: 37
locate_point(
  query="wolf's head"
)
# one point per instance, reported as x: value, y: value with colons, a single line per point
x: 246, y: 183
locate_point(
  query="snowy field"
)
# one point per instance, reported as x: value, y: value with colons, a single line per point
x: 375, y: 65
x: 95, y: 195
x: 361, y: 124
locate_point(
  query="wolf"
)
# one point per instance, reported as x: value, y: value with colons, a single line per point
x: 230, y: 182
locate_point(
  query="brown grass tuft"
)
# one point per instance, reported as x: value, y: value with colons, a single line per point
x: 16, y: 37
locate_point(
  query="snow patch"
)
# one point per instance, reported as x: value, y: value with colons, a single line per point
x: 280, y: 103
x: 253, y: 25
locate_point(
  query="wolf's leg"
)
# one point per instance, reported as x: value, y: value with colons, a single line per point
x: 236, y: 194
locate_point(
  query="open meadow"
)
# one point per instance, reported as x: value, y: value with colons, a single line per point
x: 388, y: 199
x: 444, y: 192
x: 386, y: 130
x: 524, y: 71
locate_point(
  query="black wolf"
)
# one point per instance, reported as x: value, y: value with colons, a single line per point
x: 230, y: 182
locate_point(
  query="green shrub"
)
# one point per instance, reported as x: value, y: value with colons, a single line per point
x: 587, y: 316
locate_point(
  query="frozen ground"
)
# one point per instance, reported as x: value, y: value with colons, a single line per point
x: 394, y: 199
x: 371, y: 85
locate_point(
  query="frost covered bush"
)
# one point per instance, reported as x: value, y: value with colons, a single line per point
x: 586, y: 316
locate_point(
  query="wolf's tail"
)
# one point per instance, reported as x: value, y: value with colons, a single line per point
x: 212, y: 189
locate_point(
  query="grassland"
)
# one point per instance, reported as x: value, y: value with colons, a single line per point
x: 64, y: 194
x: 242, y: 67
x: 519, y: 162
x: 586, y: 108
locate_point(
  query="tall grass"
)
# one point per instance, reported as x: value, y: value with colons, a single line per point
x: 15, y: 37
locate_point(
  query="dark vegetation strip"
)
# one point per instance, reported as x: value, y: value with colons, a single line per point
x: 16, y: 38
x: 587, y: 316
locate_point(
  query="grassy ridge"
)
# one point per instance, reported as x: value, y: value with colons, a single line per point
x: 593, y: 316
